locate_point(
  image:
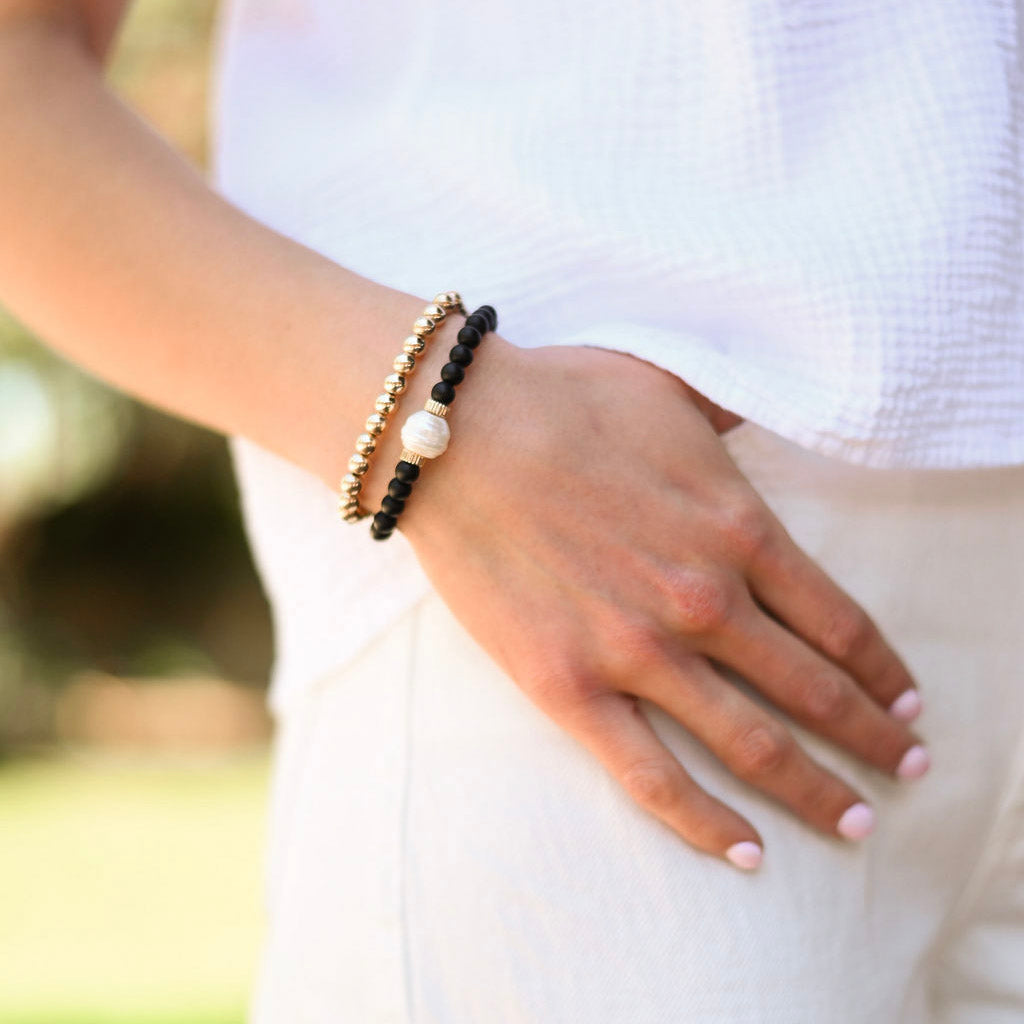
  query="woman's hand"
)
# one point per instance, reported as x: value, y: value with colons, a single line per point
x: 589, y: 529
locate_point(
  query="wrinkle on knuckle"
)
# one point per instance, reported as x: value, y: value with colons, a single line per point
x: 652, y: 784
x: 562, y: 684
x: 745, y: 528
x: 637, y: 648
x: 846, y: 634
x: 826, y: 698
x: 759, y: 751
x: 702, y: 601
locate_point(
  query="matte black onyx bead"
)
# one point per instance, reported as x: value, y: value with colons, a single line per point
x: 380, y: 534
x: 392, y: 506
x: 479, y: 320
x: 407, y: 471
x: 383, y: 522
x: 461, y: 354
x: 443, y: 392
x: 452, y: 373
x: 399, y: 489
x: 491, y: 313
x: 468, y: 336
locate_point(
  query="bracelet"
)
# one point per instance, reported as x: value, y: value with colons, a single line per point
x: 349, y: 508
x: 425, y: 434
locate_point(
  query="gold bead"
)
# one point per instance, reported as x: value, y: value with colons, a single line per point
x: 394, y: 383
x: 357, y: 464
x: 449, y: 300
x: 351, y: 484
x: 345, y: 507
x: 355, y: 515
x: 414, y: 345
x: 365, y: 444
x: 437, y: 408
x: 375, y: 424
x: 423, y: 326
x: 435, y: 311
x: 385, y: 405
x: 404, y: 363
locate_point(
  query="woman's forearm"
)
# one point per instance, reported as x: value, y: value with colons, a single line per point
x: 116, y: 252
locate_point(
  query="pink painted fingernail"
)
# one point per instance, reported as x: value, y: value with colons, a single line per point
x: 907, y: 706
x: 915, y: 763
x: 745, y: 855
x: 857, y: 822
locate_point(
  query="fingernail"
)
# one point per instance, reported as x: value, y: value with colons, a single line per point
x: 745, y: 855
x: 907, y: 706
x: 915, y: 763
x: 857, y: 822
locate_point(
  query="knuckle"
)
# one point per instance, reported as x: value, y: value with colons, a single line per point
x: 652, y: 784
x: 826, y: 698
x: 561, y: 684
x: 745, y: 527
x: 703, y: 602
x: 634, y: 647
x: 846, y: 634
x: 760, y: 750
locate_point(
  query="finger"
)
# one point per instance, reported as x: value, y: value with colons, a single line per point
x: 793, y: 587
x: 613, y: 727
x: 754, y: 745
x: 816, y: 692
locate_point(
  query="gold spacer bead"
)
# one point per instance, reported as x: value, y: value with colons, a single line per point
x: 435, y: 312
x: 357, y: 464
x: 394, y: 383
x: 344, y: 507
x: 450, y: 300
x: 385, y: 404
x: 351, y: 484
x: 423, y: 326
x: 437, y: 408
x: 365, y: 444
x: 404, y: 363
x: 375, y: 424
x: 414, y: 457
x: 414, y: 345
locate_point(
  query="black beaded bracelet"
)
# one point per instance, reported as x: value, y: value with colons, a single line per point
x: 425, y: 434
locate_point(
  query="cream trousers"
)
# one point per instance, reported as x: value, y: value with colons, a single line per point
x: 442, y: 853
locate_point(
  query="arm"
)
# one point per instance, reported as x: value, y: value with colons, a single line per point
x: 117, y: 253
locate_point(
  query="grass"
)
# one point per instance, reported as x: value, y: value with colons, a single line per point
x: 130, y: 888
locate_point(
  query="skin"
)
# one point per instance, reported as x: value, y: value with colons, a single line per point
x: 118, y: 254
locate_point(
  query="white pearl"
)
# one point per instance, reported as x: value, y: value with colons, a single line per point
x: 426, y: 434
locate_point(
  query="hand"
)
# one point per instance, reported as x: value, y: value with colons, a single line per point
x: 604, y: 547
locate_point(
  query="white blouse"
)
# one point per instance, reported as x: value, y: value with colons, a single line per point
x: 810, y: 210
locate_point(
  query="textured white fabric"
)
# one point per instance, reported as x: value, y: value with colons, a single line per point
x: 442, y: 853
x: 811, y: 210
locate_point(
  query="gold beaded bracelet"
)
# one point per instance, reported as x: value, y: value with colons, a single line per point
x: 349, y: 508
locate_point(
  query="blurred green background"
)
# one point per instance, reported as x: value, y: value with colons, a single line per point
x: 134, y: 652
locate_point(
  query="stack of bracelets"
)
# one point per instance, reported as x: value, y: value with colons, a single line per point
x: 425, y: 434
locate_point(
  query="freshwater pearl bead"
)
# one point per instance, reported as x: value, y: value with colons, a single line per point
x: 426, y: 434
